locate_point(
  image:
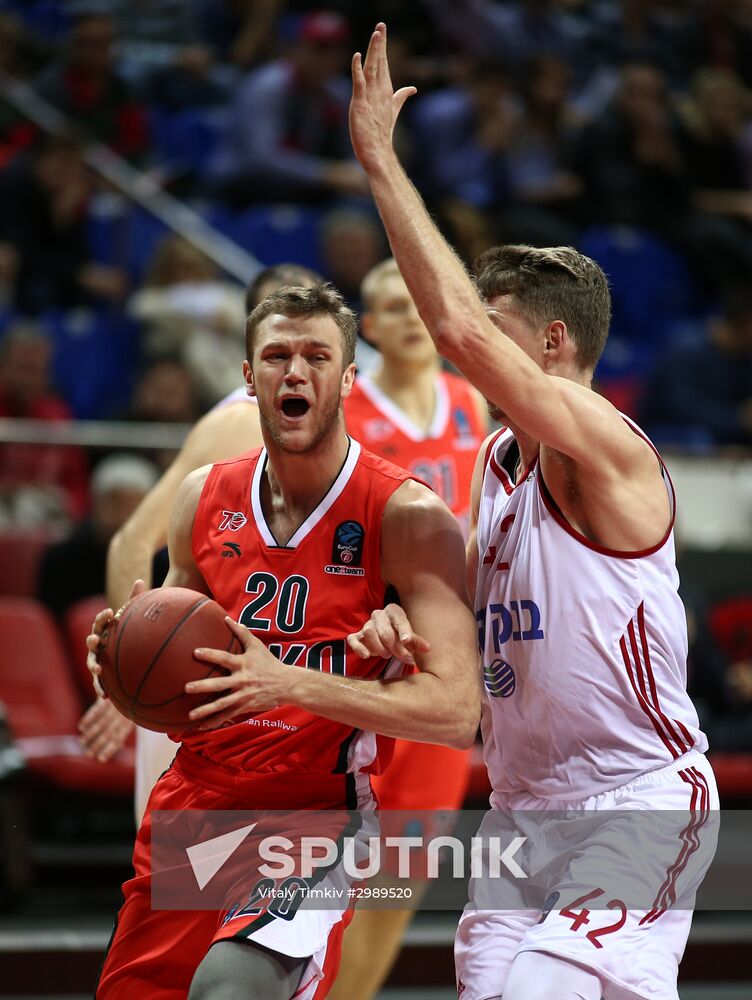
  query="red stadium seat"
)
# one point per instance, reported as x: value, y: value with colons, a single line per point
x: 20, y: 552
x: 43, y: 705
x: 733, y: 772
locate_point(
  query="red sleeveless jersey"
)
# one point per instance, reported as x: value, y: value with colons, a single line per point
x: 443, y: 456
x: 301, y: 599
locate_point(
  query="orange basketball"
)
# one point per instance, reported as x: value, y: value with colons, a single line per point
x: 147, y: 656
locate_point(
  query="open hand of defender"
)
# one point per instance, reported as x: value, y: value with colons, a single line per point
x: 103, y: 729
x: 375, y: 106
x: 388, y: 633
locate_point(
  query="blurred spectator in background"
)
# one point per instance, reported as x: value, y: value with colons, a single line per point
x: 629, y: 159
x: 725, y: 33
x: 634, y: 169
x: 21, y: 55
x: 86, y: 88
x: 74, y: 567
x: 39, y: 484
x: 715, y: 119
x: 165, y: 393
x: 543, y: 188
x: 187, y: 310
x: 286, y: 137
x: 269, y: 279
x: 664, y: 33
x: 719, y: 668
x: 191, y: 79
x: 159, y: 48
x: 412, y: 23
x: 700, y: 394
x: 242, y: 32
x: 43, y: 242
x: 15, y: 46
x: 461, y: 135
x: 460, y: 138
x: 352, y: 242
x: 514, y: 32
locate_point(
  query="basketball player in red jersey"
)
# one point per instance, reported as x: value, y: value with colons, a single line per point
x: 231, y: 427
x: 322, y: 528
x: 431, y: 423
x: 409, y: 411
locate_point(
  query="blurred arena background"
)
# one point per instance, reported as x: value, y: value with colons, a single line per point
x: 154, y: 154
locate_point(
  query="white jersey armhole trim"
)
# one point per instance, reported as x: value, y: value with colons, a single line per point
x: 553, y: 508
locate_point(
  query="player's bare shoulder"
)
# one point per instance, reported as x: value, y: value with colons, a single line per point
x: 607, y: 444
x: 419, y: 533
x: 415, y: 507
x: 610, y: 485
x: 188, y: 494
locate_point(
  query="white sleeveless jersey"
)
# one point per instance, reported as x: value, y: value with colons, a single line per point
x: 584, y: 650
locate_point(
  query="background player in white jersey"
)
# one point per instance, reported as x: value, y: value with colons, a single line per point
x: 230, y: 428
x: 582, y: 631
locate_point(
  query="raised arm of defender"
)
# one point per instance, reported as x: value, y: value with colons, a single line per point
x: 559, y: 413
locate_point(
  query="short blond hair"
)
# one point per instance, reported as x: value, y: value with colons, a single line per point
x: 320, y: 299
x: 550, y: 283
x: 369, y: 287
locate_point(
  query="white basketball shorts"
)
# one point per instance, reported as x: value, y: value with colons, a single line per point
x: 660, y: 859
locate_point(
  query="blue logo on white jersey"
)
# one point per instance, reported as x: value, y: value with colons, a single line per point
x: 499, y: 679
x: 520, y: 622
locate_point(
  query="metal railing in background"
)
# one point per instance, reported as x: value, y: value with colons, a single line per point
x: 94, y: 433
x: 135, y: 184
x: 714, y: 493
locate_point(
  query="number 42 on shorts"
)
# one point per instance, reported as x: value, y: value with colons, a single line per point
x: 582, y: 916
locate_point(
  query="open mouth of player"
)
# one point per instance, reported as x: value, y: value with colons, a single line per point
x: 295, y: 407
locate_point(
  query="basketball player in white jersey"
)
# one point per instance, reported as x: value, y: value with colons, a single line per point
x: 582, y: 632
x: 229, y: 429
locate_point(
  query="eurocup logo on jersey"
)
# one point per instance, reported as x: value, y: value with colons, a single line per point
x: 347, y: 550
x: 466, y: 439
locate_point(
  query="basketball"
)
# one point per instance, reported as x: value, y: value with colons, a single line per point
x: 147, y: 655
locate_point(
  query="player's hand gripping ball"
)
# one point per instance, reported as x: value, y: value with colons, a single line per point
x: 146, y: 655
